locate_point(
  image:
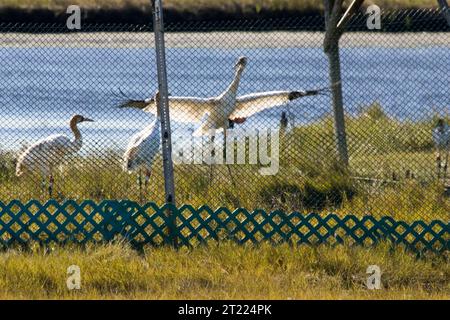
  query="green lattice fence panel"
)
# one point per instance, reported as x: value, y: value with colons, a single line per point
x: 148, y: 224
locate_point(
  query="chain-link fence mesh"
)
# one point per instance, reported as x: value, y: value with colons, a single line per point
x: 396, y: 85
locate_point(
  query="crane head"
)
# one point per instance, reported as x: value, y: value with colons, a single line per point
x: 241, y: 63
x: 79, y: 118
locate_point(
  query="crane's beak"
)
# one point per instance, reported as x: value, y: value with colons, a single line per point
x: 88, y: 120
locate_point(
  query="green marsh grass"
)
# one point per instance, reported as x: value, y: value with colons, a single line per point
x: 391, y: 173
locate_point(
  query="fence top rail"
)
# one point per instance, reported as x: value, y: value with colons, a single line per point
x: 16, y: 206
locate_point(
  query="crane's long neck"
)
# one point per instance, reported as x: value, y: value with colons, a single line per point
x: 76, y: 132
x: 234, y: 85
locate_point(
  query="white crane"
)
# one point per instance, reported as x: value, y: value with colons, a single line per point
x: 221, y: 112
x: 441, y: 139
x: 43, y: 156
x: 142, y: 150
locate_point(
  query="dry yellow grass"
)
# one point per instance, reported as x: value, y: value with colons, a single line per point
x: 224, y: 271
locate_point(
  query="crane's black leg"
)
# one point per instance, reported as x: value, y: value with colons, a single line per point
x: 213, y: 153
x: 50, y: 185
x: 445, y: 165
x: 438, y: 164
x: 140, y: 185
x: 224, y: 156
x: 43, y: 184
x: 148, y: 174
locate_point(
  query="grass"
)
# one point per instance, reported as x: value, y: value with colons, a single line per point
x: 222, y: 271
x: 381, y: 148
x: 309, y: 180
x: 195, y: 6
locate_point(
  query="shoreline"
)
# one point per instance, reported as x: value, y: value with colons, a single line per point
x: 221, y: 40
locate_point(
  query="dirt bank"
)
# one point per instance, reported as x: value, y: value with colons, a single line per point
x: 278, y: 39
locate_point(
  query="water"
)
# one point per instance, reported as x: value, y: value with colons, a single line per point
x: 41, y: 88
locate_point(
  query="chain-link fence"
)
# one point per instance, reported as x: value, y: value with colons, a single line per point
x: 262, y: 82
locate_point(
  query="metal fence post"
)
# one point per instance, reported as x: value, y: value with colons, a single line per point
x: 445, y: 10
x: 331, y: 48
x: 334, y: 28
x: 163, y: 105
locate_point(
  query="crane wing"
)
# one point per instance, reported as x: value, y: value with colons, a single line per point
x: 53, y: 143
x: 136, y: 104
x: 46, y: 152
x: 251, y: 104
x: 182, y: 109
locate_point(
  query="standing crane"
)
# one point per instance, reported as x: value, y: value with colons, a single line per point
x: 142, y: 150
x: 441, y: 139
x: 43, y: 156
